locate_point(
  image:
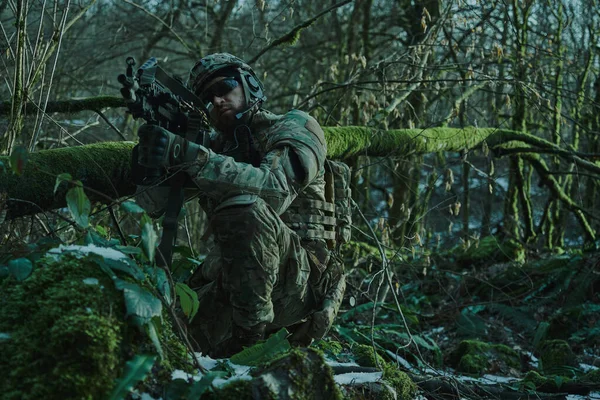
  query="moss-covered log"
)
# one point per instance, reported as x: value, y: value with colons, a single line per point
x: 104, y: 167
x: 71, y: 106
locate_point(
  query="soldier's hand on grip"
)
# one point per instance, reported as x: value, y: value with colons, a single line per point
x: 160, y: 148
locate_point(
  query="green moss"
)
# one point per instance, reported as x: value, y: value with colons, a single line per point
x: 489, y: 248
x: 405, y: 388
x: 65, y: 335
x: 102, y: 166
x: 543, y: 383
x: 366, y: 356
x: 475, y: 357
x: 535, y: 378
x: 556, y: 353
x: 237, y: 390
x: 592, y: 376
x: 331, y: 347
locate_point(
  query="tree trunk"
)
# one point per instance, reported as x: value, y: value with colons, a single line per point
x: 105, y: 167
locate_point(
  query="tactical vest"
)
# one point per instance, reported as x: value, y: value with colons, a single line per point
x: 322, y: 209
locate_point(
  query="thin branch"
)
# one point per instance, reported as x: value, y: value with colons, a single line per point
x: 293, y: 35
x: 156, y: 17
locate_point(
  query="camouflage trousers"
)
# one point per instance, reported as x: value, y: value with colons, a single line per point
x: 258, y: 273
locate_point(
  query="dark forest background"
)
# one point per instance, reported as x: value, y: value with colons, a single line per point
x: 447, y: 229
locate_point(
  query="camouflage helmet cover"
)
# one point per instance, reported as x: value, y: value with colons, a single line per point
x: 204, y: 69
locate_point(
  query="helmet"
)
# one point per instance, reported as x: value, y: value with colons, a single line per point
x: 212, y: 64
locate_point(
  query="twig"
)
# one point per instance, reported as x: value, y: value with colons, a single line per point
x: 156, y: 17
x: 111, y: 211
x: 292, y: 35
x: 101, y: 114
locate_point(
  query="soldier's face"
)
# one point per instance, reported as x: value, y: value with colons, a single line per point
x: 226, y: 98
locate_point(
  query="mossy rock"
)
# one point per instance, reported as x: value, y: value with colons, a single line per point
x: 366, y: 356
x: 475, y: 357
x: 592, y: 377
x: 556, y: 353
x: 405, y: 388
x: 66, y: 334
x: 533, y: 380
x: 329, y: 347
x: 298, y: 374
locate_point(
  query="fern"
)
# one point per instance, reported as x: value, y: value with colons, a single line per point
x: 262, y: 352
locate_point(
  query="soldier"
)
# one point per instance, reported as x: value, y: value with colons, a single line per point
x: 261, y: 183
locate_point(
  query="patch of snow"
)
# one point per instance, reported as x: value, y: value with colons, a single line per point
x: 592, y: 395
x: 239, y: 369
x: 4, y: 336
x: 587, y: 367
x: 91, y: 281
x: 104, y: 252
x: 534, y: 359
x: 206, y: 361
x: 334, y: 364
x: 498, y: 379
x: 357, y: 377
x: 179, y: 374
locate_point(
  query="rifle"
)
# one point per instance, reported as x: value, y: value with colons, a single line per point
x: 156, y: 97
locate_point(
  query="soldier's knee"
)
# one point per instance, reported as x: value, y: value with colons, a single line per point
x: 245, y: 218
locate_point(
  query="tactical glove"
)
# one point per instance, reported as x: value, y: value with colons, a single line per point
x: 319, y: 323
x: 160, y: 148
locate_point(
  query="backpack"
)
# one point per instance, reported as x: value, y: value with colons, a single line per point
x: 338, y: 192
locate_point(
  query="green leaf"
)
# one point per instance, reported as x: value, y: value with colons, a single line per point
x: 262, y: 352
x: 61, y: 178
x: 126, y: 265
x: 558, y: 380
x: 204, y: 384
x: 140, y: 304
x: 162, y: 284
x: 131, y: 208
x: 20, y: 268
x: 153, y: 335
x: 18, y: 159
x: 540, y: 334
x: 135, y: 371
x: 101, y: 230
x: 149, y: 237
x: 79, y: 205
x: 188, y: 299
x: 128, y: 249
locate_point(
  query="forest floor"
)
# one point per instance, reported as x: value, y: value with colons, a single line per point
x: 461, y: 324
x: 479, y: 324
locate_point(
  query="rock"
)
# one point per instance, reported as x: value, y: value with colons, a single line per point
x: 65, y: 335
x: 299, y: 374
x: 556, y: 353
x: 475, y: 357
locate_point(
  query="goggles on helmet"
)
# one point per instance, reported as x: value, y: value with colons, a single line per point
x: 219, y: 88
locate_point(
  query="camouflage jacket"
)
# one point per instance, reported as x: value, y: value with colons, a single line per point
x: 279, y: 158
